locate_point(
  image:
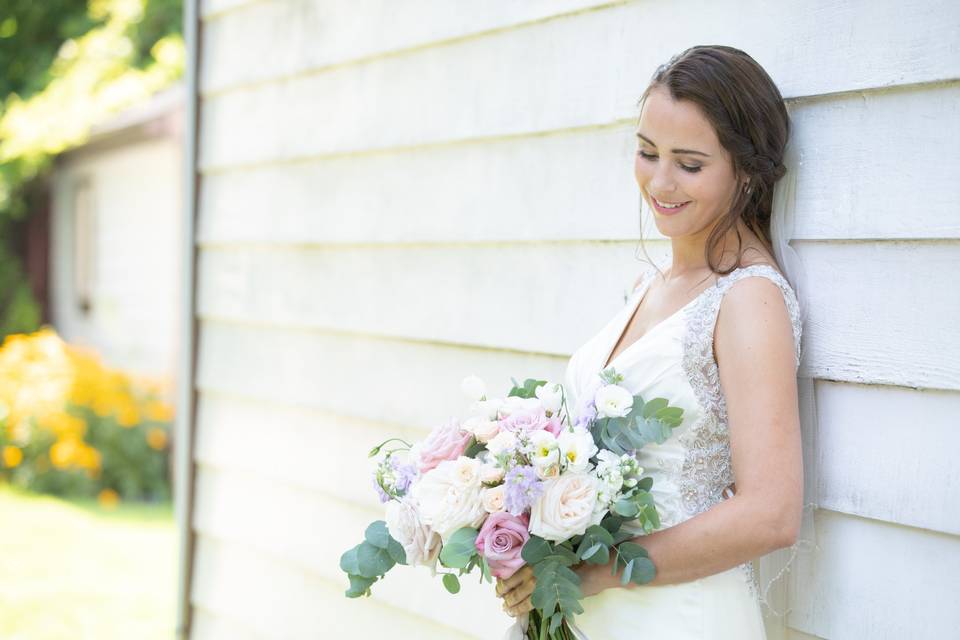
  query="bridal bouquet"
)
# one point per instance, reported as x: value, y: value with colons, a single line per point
x: 520, y: 481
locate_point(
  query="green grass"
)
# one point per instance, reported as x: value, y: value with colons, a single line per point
x: 73, y: 570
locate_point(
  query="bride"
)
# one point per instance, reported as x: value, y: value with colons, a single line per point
x: 718, y: 333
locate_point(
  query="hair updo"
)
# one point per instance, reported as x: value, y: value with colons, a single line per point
x: 746, y: 110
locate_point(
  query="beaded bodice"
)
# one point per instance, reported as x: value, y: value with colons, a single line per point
x: 675, y: 360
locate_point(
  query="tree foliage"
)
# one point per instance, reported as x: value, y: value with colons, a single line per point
x: 68, y: 65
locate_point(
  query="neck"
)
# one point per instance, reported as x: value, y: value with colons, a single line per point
x: 688, y: 251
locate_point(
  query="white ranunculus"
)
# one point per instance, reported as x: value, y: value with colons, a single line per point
x: 513, y: 404
x: 474, y: 388
x: 567, y: 506
x: 449, y: 496
x: 502, y: 442
x: 576, y: 448
x: 551, y: 396
x: 494, y: 499
x: 545, y: 456
x: 419, y: 541
x: 613, y: 401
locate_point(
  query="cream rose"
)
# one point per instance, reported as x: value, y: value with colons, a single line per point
x: 566, y: 507
x: 449, y: 496
x: 420, y: 542
x: 494, y: 499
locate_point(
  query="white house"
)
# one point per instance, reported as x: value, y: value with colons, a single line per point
x: 392, y: 195
x: 115, y: 225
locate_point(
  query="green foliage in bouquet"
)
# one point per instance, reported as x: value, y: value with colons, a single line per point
x: 647, y: 422
x: 371, y: 559
x: 556, y: 597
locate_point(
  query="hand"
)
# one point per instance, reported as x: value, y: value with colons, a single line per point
x: 516, y: 591
x: 588, y: 573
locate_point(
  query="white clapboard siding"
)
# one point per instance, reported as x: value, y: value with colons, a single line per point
x: 401, y: 382
x: 279, y: 600
x: 269, y: 39
x: 871, y: 579
x: 293, y: 445
x: 459, y: 90
x: 572, y: 291
x: 883, y: 312
x: 312, y: 532
x: 396, y: 195
x: 898, y: 285
x: 211, y: 625
x: 586, y: 189
x: 890, y: 453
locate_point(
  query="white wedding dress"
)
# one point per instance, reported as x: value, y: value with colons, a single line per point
x: 691, y: 470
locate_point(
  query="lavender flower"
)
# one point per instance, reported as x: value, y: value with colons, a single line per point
x: 392, y: 478
x: 521, y: 488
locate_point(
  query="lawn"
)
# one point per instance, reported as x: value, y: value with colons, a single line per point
x: 75, y: 570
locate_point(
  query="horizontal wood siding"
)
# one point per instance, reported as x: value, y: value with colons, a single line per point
x: 393, y: 199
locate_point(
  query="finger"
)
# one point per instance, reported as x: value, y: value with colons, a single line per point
x: 521, y: 593
x: 524, y: 574
x: 524, y: 607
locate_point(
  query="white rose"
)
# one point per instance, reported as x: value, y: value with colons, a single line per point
x: 483, y: 430
x: 420, y: 542
x: 449, y: 496
x: 567, y: 506
x: 474, y: 388
x: 493, y: 499
x: 491, y: 473
x: 576, y: 448
x: 613, y: 401
x: 551, y: 396
x: 502, y: 442
x: 514, y: 404
x: 545, y: 455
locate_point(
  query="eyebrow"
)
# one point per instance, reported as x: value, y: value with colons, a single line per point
x: 689, y: 151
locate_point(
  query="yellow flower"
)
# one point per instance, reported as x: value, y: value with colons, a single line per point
x: 128, y: 416
x: 63, y: 452
x: 12, y: 456
x: 159, y: 411
x: 88, y: 458
x: 157, y: 438
x: 108, y: 499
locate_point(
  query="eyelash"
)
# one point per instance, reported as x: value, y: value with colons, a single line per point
x: 686, y: 168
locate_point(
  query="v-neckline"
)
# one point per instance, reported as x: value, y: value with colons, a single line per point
x: 641, y: 294
x: 642, y: 291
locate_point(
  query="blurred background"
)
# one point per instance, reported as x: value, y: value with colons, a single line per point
x: 244, y: 241
x: 91, y: 155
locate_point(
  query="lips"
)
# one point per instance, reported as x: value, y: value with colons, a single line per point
x: 670, y: 211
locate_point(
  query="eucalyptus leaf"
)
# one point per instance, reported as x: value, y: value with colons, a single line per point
x: 373, y: 561
x: 359, y: 586
x: 377, y: 534
x: 451, y: 582
x: 460, y: 549
x: 535, y: 550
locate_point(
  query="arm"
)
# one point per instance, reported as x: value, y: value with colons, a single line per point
x: 755, y: 355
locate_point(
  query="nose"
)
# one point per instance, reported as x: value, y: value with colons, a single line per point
x: 661, y: 182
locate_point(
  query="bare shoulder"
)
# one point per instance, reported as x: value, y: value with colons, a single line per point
x: 753, y: 316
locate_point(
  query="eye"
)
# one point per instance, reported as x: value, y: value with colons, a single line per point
x: 689, y: 169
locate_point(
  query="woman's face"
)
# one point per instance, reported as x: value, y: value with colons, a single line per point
x: 680, y: 160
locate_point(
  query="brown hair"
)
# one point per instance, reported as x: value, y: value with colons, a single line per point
x: 746, y: 110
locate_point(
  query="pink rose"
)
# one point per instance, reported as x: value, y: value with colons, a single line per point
x: 525, y: 421
x: 501, y: 540
x: 445, y: 442
x: 554, y: 426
